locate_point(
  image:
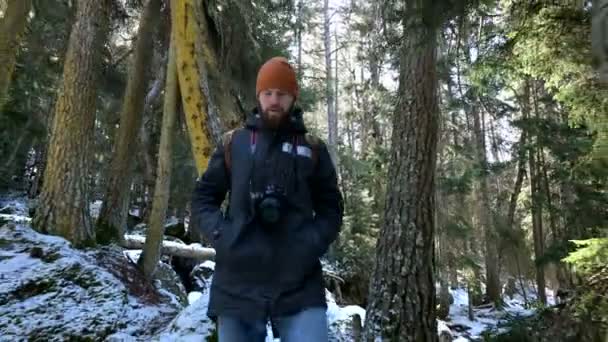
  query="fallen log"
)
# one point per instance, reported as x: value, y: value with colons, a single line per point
x: 194, y: 251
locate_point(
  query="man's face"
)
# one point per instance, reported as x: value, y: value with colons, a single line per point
x: 275, y: 105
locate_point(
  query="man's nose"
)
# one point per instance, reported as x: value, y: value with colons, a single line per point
x: 274, y: 99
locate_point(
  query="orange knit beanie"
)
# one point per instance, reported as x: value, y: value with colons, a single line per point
x: 277, y: 73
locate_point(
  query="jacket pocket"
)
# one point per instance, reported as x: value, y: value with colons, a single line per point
x: 300, y: 254
x: 244, y: 250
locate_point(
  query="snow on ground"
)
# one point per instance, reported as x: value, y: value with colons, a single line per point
x: 13, y: 208
x: 486, y: 318
x: 50, y: 291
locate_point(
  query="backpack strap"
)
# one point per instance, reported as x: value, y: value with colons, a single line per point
x: 314, y: 143
x: 227, y: 143
x: 310, y: 139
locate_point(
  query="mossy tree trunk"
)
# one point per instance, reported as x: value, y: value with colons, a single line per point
x: 207, y: 99
x: 64, y: 200
x: 113, y: 215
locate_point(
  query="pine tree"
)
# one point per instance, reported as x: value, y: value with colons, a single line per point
x: 402, y: 293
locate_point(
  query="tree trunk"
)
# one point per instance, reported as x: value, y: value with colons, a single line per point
x: 147, y: 154
x: 599, y: 39
x: 332, y: 120
x: 209, y: 104
x: 8, y: 169
x: 154, y: 238
x: 336, y: 90
x: 402, y: 293
x: 112, y: 219
x: 64, y: 200
x: 483, y: 207
x: 521, y: 172
x: 536, y: 208
x: 299, y: 27
x: 12, y: 27
x: 40, y: 166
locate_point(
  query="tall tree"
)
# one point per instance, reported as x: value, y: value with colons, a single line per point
x: 402, y: 293
x: 536, y: 195
x: 484, y: 211
x: 12, y: 27
x: 64, y: 200
x: 537, y: 222
x: 332, y: 119
x: 151, y: 252
x: 113, y: 215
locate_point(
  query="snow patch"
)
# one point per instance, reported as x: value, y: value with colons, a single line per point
x: 95, y: 208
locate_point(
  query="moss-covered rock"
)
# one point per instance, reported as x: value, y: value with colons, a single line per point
x: 52, y: 292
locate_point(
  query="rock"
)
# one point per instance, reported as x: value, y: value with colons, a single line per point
x: 193, y: 324
x: 176, y: 228
x: 170, y: 281
x: 201, y: 276
x: 342, y: 322
x: 51, y: 292
x: 133, y: 221
x: 139, y: 229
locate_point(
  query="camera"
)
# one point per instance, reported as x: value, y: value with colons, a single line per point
x: 269, y: 205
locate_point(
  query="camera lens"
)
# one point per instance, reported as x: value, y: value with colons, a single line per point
x: 270, y: 210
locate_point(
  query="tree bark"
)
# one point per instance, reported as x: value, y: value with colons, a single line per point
x: 521, y: 173
x: 112, y: 220
x: 599, y: 39
x: 209, y: 104
x: 536, y: 208
x: 151, y: 252
x: 402, y: 293
x: 64, y: 201
x: 298, y: 32
x: 332, y: 120
x: 12, y: 27
x: 483, y: 210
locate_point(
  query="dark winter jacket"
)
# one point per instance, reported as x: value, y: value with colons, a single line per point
x: 265, y: 272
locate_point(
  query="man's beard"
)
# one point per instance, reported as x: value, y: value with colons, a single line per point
x: 274, y: 116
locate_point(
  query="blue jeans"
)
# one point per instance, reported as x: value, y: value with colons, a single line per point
x: 304, y: 326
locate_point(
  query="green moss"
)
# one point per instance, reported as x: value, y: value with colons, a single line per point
x: 50, y: 257
x: 213, y: 337
x: 4, y: 242
x: 34, y: 288
x: 84, y: 279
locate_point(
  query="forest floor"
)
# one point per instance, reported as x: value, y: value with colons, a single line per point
x: 49, y: 289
